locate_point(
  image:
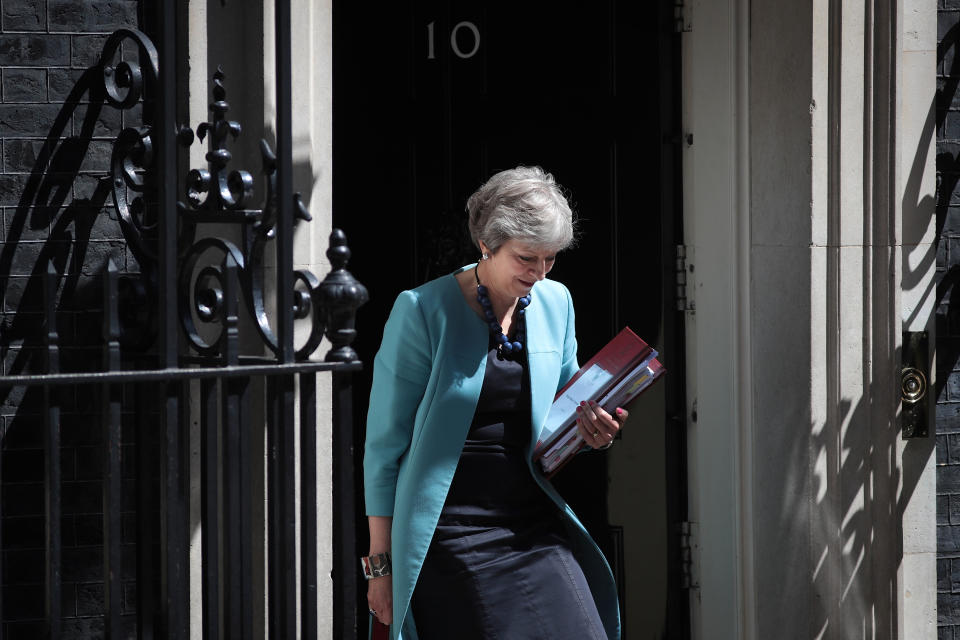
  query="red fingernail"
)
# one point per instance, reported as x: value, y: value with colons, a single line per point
x: 619, y: 411
x: 578, y: 409
x: 583, y: 403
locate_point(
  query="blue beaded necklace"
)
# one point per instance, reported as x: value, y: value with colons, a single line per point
x: 505, y: 346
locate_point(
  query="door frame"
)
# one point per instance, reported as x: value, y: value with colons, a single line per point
x: 672, y: 321
x: 716, y: 208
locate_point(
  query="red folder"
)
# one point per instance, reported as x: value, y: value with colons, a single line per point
x: 622, y: 370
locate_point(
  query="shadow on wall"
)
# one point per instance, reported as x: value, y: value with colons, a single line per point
x: 848, y: 482
x: 858, y: 544
x: 61, y: 218
x: 947, y: 309
x: 947, y: 306
x: 51, y: 185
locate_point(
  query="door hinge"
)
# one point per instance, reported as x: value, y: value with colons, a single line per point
x: 682, y: 17
x: 683, y: 264
x: 688, y: 550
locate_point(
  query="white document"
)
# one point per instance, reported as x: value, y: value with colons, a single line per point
x: 631, y: 384
x: 564, y: 408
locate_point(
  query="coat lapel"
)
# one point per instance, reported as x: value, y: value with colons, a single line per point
x: 543, y: 357
x: 468, y: 345
x: 468, y: 332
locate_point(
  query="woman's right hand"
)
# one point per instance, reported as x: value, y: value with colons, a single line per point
x: 380, y: 598
x: 597, y: 427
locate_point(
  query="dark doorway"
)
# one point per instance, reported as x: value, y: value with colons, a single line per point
x: 430, y: 99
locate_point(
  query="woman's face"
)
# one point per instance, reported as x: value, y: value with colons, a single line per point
x: 515, y: 268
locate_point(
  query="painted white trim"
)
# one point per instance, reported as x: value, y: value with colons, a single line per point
x: 197, y: 111
x: 915, y: 171
x: 712, y: 173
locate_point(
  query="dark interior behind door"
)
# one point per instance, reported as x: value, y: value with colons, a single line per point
x: 431, y: 98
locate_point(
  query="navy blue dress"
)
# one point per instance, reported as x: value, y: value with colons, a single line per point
x: 499, y: 565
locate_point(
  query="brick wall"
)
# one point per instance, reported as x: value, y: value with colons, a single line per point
x: 56, y: 139
x: 948, y: 322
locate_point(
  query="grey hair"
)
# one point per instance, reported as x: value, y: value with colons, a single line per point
x: 524, y: 204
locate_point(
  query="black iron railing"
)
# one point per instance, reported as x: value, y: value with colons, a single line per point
x: 193, y: 292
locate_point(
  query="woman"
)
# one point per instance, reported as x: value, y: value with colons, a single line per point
x: 481, y: 545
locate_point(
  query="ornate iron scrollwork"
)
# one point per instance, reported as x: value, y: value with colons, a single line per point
x: 132, y: 156
x: 217, y: 194
x: 229, y: 190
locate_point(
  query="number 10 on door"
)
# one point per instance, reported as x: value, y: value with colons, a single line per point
x: 454, y: 45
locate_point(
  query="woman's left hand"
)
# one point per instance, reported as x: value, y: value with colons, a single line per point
x: 597, y: 427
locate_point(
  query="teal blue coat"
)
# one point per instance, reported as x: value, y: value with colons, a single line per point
x: 426, y: 381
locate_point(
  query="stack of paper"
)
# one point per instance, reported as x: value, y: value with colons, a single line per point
x: 618, y: 373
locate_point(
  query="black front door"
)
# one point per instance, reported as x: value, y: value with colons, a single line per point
x: 430, y: 99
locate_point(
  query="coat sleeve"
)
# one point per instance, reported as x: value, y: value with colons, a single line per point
x: 569, y: 364
x: 401, y: 370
